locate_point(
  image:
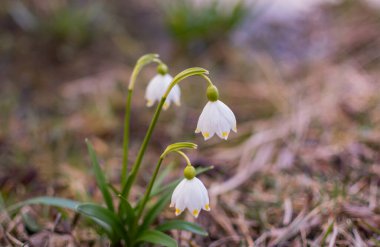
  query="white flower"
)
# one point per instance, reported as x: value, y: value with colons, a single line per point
x: 218, y: 118
x: 156, y: 89
x: 190, y: 194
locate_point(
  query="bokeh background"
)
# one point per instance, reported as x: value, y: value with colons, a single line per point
x: 301, y: 76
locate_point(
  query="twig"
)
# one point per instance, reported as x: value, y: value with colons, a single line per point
x: 14, y: 240
x: 333, y: 237
x: 75, y: 221
x: 56, y: 221
x: 288, y: 211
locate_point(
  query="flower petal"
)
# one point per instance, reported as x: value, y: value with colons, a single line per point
x: 205, y: 122
x: 156, y: 89
x: 227, y: 113
x: 175, y: 95
x: 195, y: 200
x: 216, y: 118
x: 190, y: 194
x: 177, y: 191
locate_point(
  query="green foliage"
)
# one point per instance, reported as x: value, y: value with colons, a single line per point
x: 62, y: 29
x: 100, y: 178
x: 132, y: 223
x: 157, y: 237
x: 120, y: 227
x: 46, y: 200
x: 105, y: 218
x: 182, y: 225
x: 30, y: 223
x: 160, y: 178
x: 127, y: 212
x: 71, y: 25
x: 155, y: 210
x: 207, y: 24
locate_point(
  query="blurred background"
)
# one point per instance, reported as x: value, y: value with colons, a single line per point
x: 301, y: 76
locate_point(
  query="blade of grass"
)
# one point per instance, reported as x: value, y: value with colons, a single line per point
x: 46, y: 200
x: 154, y: 210
x: 107, y: 219
x: 157, y: 237
x: 100, y: 178
x: 182, y: 225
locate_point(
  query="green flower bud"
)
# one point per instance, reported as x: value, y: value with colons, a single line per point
x: 189, y: 172
x: 162, y: 69
x: 212, y: 93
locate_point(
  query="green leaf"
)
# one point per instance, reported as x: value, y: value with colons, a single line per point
x: 182, y: 225
x: 107, y: 219
x: 158, y: 183
x: 128, y: 211
x: 161, y: 176
x: 100, y: 178
x: 113, y: 189
x: 154, y: 211
x: 46, y: 200
x: 201, y: 170
x: 157, y: 237
x: 2, y: 203
x: 30, y: 223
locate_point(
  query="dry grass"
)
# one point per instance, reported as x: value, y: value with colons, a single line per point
x: 304, y: 169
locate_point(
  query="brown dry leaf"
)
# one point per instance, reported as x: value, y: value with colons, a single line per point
x: 50, y: 239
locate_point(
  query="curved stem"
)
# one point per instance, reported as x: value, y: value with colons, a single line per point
x: 124, y: 170
x: 126, y: 188
x: 141, y: 62
x: 136, y: 166
x: 184, y: 156
x: 207, y: 79
x: 151, y: 183
x: 186, y: 73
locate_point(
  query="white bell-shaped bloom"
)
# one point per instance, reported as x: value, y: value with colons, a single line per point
x: 156, y: 89
x: 216, y: 118
x: 190, y: 194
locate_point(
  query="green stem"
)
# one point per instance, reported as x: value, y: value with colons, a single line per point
x: 185, y: 157
x: 186, y: 73
x: 136, y: 166
x: 141, y: 62
x: 149, y: 189
x: 207, y: 79
x: 124, y: 170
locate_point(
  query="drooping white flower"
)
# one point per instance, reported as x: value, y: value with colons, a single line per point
x: 190, y: 194
x: 216, y: 118
x: 156, y: 89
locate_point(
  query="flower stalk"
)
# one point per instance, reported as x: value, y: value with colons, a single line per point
x: 122, y: 225
x: 136, y: 166
x: 148, y: 190
x: 141, y: 62
x: 176, y: 147
x: 124, y: 171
